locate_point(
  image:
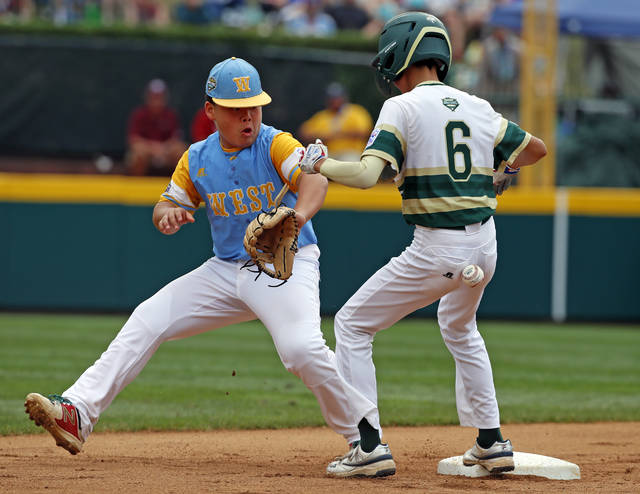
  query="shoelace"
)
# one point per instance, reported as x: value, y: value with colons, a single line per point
x: 351, y: 456
x: 66, y: 401
x: 59, y: 399
x: 352, y: 448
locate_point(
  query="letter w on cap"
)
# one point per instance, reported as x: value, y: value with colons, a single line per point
x: 242, y: 83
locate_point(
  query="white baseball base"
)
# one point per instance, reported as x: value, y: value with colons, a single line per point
x: 525, y: 463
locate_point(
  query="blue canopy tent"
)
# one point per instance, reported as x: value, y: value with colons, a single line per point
x: 592, y: 18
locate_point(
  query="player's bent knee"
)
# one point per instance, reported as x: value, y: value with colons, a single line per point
x: 153, y: 317
x: 309, y: 362
x: 313, y: 372
x: 346, y: 330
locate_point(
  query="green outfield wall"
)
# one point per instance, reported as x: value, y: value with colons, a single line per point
x: 87, y: 243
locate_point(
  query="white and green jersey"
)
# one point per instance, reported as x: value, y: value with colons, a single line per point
x: 444, y: 145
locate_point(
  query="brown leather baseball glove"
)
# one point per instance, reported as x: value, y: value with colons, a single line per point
x: 272, y: 239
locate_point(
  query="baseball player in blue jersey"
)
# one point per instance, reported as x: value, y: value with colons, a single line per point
x: 236, y: 172
x: 442, y: 146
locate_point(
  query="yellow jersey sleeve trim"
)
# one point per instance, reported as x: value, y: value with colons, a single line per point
x: 282, y: 147
x: 182, y: 179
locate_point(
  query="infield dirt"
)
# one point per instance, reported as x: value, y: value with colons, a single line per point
x: 294, y: 461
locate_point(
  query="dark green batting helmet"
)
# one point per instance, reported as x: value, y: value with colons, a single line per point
x: 409, y: 38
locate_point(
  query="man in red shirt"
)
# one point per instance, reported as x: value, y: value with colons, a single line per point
x: 154, y: 134
x: 201, y: 126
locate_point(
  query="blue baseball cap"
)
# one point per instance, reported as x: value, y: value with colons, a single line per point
x: 235, y: 83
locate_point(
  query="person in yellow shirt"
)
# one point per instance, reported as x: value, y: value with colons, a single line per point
x: 342, y: 126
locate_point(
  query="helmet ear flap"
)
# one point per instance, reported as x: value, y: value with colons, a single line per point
x: 384, y: 84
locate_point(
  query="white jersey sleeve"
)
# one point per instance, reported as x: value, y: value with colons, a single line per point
x: 387, y: 139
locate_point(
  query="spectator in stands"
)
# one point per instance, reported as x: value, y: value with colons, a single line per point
x: 501, y: 58
x: 200, y: 12
x: 449, y: 11
x: 191, y: 12
x: 451, y: 14
x: 272, y: 6
x: 243, y: 14
x: 132, y: 12
x: 201, y: 126
x: 380, y: 12
x: 154, y: 136
x: 307, y: 18
x: 347, y: 14
x: 476, y: 14
x: 13, y: 8
x: 344, y: 127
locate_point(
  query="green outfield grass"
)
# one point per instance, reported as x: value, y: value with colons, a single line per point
x: 232, y: 378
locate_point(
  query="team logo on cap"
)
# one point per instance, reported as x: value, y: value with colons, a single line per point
x: 211, y: 83
x: 242, y: 83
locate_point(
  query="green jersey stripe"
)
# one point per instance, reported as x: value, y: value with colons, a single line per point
x: 444, y: 186
x: 447, y: 204
x: 510, y: 142
x: 449, y: 219
x: 386, y: 142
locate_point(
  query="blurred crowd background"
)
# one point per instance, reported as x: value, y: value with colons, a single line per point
x: 596, y: 81
x: 302, y: 17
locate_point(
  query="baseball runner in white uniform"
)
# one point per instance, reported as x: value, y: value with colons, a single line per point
x: 442, y: 146
x: 236, y: 172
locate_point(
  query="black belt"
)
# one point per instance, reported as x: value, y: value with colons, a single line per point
x: 464, y: 226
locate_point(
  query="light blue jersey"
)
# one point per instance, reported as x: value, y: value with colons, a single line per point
x: 236, y: 185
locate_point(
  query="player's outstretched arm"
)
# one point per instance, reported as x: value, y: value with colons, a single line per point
x: 168, y: 217
x: 362, y: 174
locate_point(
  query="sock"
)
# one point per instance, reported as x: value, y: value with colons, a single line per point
x: 486, y: 437
x: 369, y: 437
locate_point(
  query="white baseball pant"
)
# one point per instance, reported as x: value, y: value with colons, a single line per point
x: 218, y: 294
x: 416, y: 279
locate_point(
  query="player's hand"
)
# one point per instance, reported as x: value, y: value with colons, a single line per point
x: 502, y: 180
x: 314, y: 156
x: 174, y: 218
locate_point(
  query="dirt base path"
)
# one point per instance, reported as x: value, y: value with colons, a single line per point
x: 293, y: 461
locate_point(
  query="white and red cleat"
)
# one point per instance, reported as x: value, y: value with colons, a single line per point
x: 58, y: 416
